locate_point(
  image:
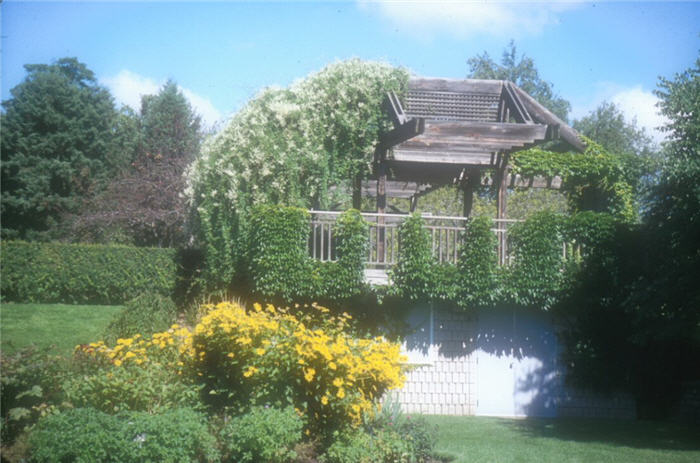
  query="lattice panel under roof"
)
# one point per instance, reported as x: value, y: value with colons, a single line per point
x: 452, y: 106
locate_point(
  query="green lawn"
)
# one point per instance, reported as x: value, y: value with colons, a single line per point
x: 63, y: 326
x: 477, y: 439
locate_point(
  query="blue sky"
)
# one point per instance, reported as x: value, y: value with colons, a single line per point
x: 223, y: 53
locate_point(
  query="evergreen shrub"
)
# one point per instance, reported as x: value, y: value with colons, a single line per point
x: 82, y: 273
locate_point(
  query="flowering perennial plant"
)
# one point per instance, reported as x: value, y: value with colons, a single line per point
x: 303, y: 357
x: 288, y: 146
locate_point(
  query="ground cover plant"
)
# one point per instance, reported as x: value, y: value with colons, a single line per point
x: 478, y: 439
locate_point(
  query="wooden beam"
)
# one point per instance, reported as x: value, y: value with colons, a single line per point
x: 544, y: 116
x: 402, y: 133
x: 465, y: 158
x: 515, y: 105
x: 458, y: 86
x: 393, y: 108
x: 485, y: 130
x: 518, y: 181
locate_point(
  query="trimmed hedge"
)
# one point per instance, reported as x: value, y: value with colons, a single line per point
x: 83, y: 273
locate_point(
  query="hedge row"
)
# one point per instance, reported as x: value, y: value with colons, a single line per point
x: 83, y: 274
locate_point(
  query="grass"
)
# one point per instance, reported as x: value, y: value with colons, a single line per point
x: 477, y: 439
x: 63, y: 326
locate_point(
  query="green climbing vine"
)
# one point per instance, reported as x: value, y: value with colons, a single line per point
x: 592, y: 180
x: 288, y: 146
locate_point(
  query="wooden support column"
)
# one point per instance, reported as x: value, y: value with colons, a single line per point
x: 501, y: 180
x: 381, y: 209
x: 357, y: 192
x: 414, y: 203
x: 468, y: 187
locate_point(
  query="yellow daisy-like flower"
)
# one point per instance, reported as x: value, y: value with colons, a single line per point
x: 338, y: 382
x: 309, y: 374
x: 341, y: 393
x: 324, y: 400
x: 230, y: 355
x: 250, y: 371
x: 260, y: 351
x: 332, y: 366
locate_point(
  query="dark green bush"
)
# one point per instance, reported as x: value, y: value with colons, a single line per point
x: 145, y: 314
x: 477, y: 284
x: 263, y: 435
x: 30, y: 385
x: 87, y: 435
x: 535, y: 275
x: 83, y: 274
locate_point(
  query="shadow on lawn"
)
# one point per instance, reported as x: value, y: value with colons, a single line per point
x: 656, y: 435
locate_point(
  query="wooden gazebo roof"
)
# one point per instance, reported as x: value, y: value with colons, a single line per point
x: 450, y: 130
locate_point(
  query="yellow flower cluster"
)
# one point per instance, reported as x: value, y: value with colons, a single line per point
x: 170, y: 347
x: 303, y: 356
x: 303, y: 353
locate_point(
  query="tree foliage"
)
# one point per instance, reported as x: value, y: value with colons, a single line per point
x: 522, y: 72
x: 631, y: 144
x: 145, y: 206
x: 61, y: 136
x: 636, y: 323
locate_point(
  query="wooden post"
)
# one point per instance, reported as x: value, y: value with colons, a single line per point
x: 468, y: 187
x: 357, y: 192
x: 501, y: 194
x: 381, y: 209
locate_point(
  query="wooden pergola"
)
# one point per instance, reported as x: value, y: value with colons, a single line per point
x: 451, y: 131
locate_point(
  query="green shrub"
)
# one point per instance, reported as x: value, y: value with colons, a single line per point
x: 83, y: 274
x: 384, y: 446
x: 146, y: 313
x: 151, y: 388
x: 88, y: 435
x: 29, y: 387
x: 413, y: 273
x: 477, y: 283
x: 264, y: 435
x: 346, y: 277
x: 536, y: 275
x: 417, y: 434
x: 279, y: 261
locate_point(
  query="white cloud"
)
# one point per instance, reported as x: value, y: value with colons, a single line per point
x: 128, y: 87
x: 467, y: 18
x: 634, y: 102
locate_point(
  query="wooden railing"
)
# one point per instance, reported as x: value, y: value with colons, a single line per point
x: 445, y: 235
